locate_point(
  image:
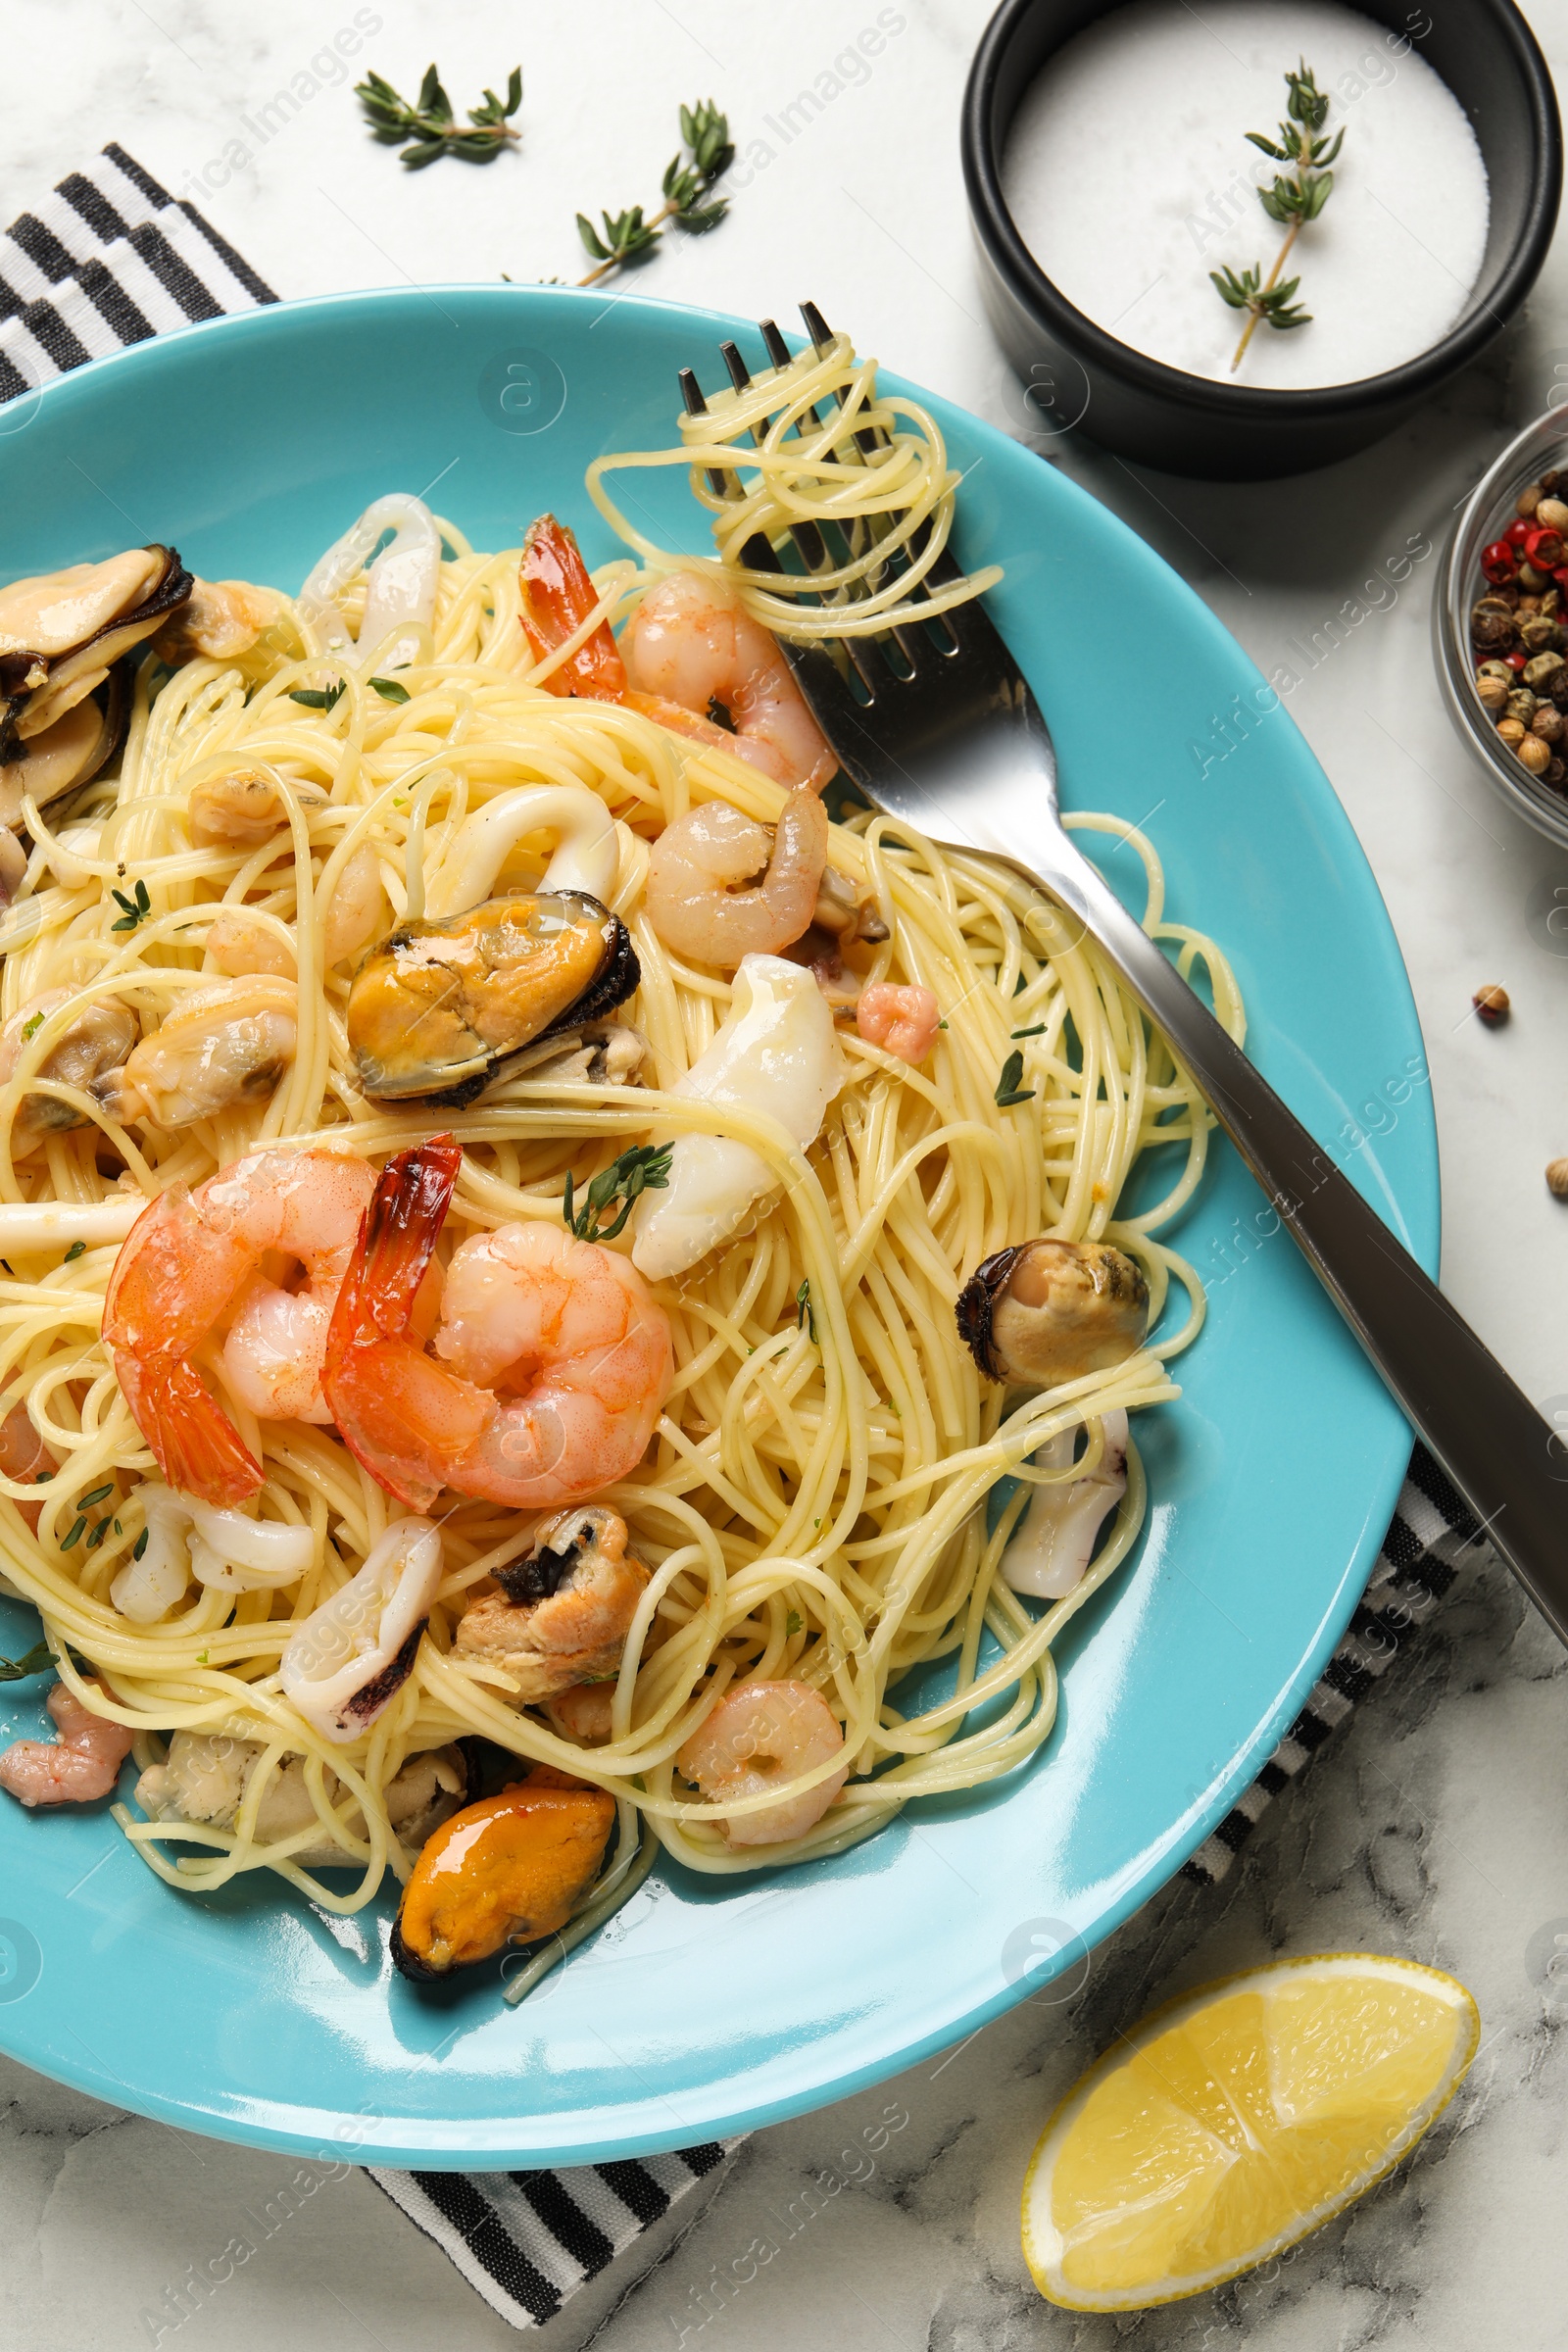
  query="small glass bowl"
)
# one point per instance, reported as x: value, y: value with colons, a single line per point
x: 1484, y: 516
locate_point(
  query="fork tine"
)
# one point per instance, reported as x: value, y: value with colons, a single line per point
x: 808, y: 538
x: 719, y: 479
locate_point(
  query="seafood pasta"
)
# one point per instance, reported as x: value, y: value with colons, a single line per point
x: 529, y: 1244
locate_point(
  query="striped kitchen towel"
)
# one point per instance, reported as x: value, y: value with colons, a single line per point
x: 112, y: 259
x: 1433, y: 1537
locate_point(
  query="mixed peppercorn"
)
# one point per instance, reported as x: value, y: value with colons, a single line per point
x: 1519, y: 629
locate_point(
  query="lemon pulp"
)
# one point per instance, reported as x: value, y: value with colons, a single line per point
x: 1235, y: 2120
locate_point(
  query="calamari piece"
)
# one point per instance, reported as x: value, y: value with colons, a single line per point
x: 400, y: 596
x: 585, y: 858
x: 220, y: 1548
x: 1054, y: 1542
x: 775, y: 1053
x: 351, y: 1656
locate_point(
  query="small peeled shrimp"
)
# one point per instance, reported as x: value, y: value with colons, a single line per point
x: 565, y: 1330
x: 81, y: 1764
x: 692, y: 642
x: 239, y: 947
x: 901, y: 1019
x: 757, y: 1737
x: 24, y: 1458
x: 229, y: 1042
x: 187, y: 1258
x: 696, y: 862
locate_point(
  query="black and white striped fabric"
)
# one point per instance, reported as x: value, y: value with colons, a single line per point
x: 112, y: 259
x: 529, y: 2240
x: 1433, y: 1537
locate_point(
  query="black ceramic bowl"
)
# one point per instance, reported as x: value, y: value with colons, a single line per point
x: 1077, y: 375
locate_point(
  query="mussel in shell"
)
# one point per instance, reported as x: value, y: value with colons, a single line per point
x: 62, y: 632
x: 1045, y: 1312
x: 439, y: 1006
x: 507, y: 1870
x: 69, y: 751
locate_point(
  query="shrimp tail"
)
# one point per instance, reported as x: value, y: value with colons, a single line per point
x: 558, y: 597
x: 193, y: 1440
x: 397, y: 1410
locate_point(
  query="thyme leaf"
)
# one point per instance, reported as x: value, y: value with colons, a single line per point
x: 31, y: 1661
x: 690, y: 178
x: 315, y: 698
x: 1008, y: 1089
x: 430, y: 126
x: 804, y: 1311
x: 136, y: 910
x: 645, y: 1168
x: 389, y: 690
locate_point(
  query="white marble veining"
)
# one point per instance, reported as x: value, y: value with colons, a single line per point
x: 1435, y: 1826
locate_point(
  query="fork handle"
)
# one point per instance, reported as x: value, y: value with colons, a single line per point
x: 1487, y: 1436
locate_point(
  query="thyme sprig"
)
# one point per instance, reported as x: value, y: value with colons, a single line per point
x: 431, y: 123
x: 643, y: 1169
x: 1295, y: 198
x: 690, y: 178
x: 33, y: 1661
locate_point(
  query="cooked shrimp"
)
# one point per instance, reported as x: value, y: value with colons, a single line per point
x: 757, y: 1737
x: 229, y: 1042
x: 557, y: 598
x: 93, y: 1041
x: 24, y: 1457
x: 582, y: 1713
x: 187, y: 1258
x: 238, y: 945
x: 565, y: 1330
x: 687, y: 647
x: 81, y: 1764
x: 692, y: 642
x: 696, y: 862
x: 903, y: 1019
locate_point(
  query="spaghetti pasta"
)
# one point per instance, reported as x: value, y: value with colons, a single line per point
x: 812, y: 1505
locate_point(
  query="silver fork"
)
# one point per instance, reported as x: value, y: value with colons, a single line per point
x: 949, y: 739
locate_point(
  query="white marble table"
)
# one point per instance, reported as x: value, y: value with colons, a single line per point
x: 1436, y: 1827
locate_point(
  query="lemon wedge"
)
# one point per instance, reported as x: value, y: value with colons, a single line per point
x: 1236, y: 2120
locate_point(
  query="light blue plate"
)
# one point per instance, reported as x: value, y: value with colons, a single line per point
x: 710, y: 2006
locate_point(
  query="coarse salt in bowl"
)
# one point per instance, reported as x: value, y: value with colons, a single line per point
x: 1127, y: 208
x: 1109, y: 171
